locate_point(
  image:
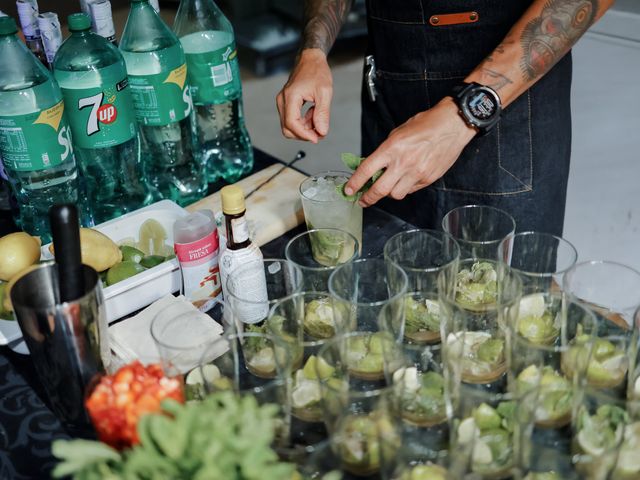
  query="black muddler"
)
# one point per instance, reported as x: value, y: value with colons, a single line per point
x: 65, y: 230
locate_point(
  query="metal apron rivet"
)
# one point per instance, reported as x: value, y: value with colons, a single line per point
x: 435, y: 20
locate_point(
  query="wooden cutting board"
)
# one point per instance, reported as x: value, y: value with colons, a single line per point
x: 272, y: 210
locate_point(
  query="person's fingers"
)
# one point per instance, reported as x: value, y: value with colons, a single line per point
x: 292, y: 119
x: 365, y: 171
x: 404, y: 186
x: 308, y: 118
x: 322, y: 110
x: 280, y: 107
x: 381, y: 188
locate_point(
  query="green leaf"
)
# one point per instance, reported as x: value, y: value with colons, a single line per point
x: 349, y: 198
x: 351, y: 160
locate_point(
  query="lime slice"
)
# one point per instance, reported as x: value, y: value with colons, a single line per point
x: 309, y: 369
x: 589, y: 443
x: 210, y: 373
x: 128, y: 242
x: 317, y: 368
x: 486, y: 417
x: 306, y: 393
x: 481, y: 453
x: 467, y: 430
x: 532, y: 305
x: 152, y: 237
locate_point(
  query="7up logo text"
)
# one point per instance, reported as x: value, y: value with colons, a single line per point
x: 99, y: 113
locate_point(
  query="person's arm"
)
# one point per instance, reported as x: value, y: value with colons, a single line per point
x: 420, y: 151
x: 310, y: 80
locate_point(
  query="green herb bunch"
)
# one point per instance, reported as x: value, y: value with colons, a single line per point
x: 224, y: 437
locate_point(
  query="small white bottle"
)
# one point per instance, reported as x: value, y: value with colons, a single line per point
x: 51, y: 34
x: 197, y: 245
x: 240, y: 251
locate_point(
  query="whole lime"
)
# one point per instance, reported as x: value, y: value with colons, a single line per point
x: 131, y: 253
x: 151, y: 261
x: 123, y: 270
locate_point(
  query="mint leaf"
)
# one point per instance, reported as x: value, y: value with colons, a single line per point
x: 349, y: 198
x: 351, y: 160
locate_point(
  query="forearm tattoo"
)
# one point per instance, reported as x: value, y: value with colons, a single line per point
x: 548, y: 37
x: 323, y: 20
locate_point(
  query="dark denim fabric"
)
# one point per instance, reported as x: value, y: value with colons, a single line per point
x: 522, y: 165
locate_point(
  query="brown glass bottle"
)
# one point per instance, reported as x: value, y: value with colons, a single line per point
x: 234, y: 210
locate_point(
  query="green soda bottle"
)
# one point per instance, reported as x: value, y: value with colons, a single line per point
x: 92, y: 75
x: 158, y: 78
x: 214, y: 75
x: 35, y: 138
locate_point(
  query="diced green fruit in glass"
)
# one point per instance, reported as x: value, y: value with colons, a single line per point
x: 491, y: 351
x: 373, y: 362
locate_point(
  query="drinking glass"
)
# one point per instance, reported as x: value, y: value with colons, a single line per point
x: 325, y: 208
x: 555, y: 361
x: 475, y: 324
x: 423, y: 255
x: 478, y: 229
x: 364, y: 289
x: 541, y: 259
x: 484, y: 433
x: 598, y: 430
x: 182, y: 336
x: 543, y: 451
x: 336, y: 246
x: 417, y: 372
x: 611, y: 289
x: 282, y: 279
x: 311, y: 309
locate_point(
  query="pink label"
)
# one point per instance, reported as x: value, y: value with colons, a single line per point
x: 198, y: 252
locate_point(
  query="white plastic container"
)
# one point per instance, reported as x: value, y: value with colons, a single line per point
x: 138, y: 291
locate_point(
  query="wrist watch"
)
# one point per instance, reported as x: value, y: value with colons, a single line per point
x: 478, y: 105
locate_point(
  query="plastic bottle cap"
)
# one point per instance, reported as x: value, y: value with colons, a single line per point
x: 8, y: 26
x: 79, y: 22
x: 232, y: 199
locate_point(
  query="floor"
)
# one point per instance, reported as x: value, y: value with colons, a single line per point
x: 603, y: 206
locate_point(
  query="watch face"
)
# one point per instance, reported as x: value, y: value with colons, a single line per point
x: 482, y: 105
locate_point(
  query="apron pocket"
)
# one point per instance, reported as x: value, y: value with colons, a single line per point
x: 500, y: 163
x: 403, y: 94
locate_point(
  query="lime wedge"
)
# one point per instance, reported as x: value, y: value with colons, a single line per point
x: 152, y: 237
x: 486, y: 417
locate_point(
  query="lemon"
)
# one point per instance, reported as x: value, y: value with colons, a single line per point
x: 152, y: 236
x: 6, y: 304
x: 123, y: 270
x: 19, y: 250
x: 98, y: 250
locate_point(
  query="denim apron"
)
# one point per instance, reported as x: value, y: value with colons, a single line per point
x: 522, y: 165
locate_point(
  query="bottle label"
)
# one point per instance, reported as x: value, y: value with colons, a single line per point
x: 162, y: 98
x: 201, y: 281
x: 240, y: 229
x: 37, y: 140
x: 102, y: 116
x: 214, y: 76
x: 251, y: 302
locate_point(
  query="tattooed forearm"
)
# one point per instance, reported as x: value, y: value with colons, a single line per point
x: 493, y: 79
x: 323, y: 19
x: 548, y: 37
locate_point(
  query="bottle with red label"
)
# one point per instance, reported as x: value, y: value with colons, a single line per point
x: 197, y: 245
x: 97, y: 96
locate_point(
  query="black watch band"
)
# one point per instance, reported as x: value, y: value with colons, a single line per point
x: 478, y: 105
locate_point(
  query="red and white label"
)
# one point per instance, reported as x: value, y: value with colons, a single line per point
x: 200, y: 271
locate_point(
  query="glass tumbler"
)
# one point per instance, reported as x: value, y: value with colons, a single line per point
x: 318, y: 252
x: 478, y: 229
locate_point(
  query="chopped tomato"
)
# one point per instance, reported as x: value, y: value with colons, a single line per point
x: 118, y: 401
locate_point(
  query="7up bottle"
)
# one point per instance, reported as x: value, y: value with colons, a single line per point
x: 214, y: 76
x: 35, y: 139
x: 158, y: 78
x: 93, y: 79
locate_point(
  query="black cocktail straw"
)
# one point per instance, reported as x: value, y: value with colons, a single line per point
x: 65, y: 231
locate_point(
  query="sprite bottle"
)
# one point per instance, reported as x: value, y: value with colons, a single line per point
x: 35, y: 138
x: 158, y: 78
x: 92, y: 75
x: 214, y: 75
